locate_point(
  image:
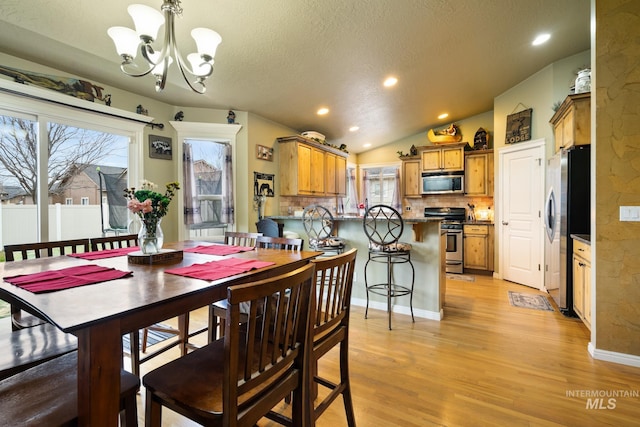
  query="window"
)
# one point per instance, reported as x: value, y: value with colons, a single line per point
x: 381, y: 185
x: 68, y: 149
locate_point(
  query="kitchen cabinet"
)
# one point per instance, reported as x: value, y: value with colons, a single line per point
x: 445, y: 158
x: 478, y: 173
x: 478, y: 246
x: 308, y: 168
x: 411, y: 178
x: 582, y: 280
x: 572, y: 122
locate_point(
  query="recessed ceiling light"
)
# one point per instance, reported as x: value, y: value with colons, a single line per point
x: 367, y: 145
x: 443, y: 116
x: 542, y: 38
x: 390, y: 81
x: 354, y: 128
x: 323, y: 111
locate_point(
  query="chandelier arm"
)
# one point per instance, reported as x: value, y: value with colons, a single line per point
x: 182, y: 66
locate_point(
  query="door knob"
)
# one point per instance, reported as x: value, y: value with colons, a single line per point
x: 505, y: 222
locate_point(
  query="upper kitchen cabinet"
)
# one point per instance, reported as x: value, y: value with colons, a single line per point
x: 478, y: 173
x: 411, y: 177
x: 572, y: 122
x: 441, y: 158
x: 308, y: 168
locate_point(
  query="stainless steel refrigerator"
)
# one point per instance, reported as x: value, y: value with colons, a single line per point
x: 567, y: 211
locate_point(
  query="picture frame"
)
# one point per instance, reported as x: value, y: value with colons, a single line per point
x: 160, y: 147
x: 519, y: 127
x: 264, y: 153
x: 263, y: 184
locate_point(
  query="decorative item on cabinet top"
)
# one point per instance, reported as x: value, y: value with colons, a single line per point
x: 341, y: 150
x: 445, y: 136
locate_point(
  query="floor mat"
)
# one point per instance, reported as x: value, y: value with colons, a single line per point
x: 461, y: 277
x: 535, y: 302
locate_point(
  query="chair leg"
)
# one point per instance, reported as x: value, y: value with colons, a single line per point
x: 153, y: 412
x: 344, y: 378
x: 134, y: 352
x: 389, y: 286
x: 413, y: 280
x: 366, y: 286
x: 129, y: 414
x: 213, y: 325
x: 145, y: 334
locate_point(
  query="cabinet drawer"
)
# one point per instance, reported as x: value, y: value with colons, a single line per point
x: 476, y: 229
x: 582, y: 249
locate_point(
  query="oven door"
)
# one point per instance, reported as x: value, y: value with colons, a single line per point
x: 454, y: 251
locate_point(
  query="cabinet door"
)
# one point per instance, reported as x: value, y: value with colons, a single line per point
x: 317, y: 171
x: 587, y: 295
x: 568, y: 126
x: 411, y: 178
x: 453, y: 159
x: 341, y: 176
x: 475, y: 252
x: 476, y: 175
x: 578, y: 286
x: 431, y: 160
x: 304, y: 169
x: 330, y: 174
x: 557, y: 136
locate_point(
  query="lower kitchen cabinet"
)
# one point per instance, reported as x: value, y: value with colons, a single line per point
x: 478, y: 246
x: 582, y: 281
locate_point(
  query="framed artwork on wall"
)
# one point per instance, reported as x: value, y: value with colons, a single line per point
x: 264, y: 153
x: 263, y: 184
x: 160, y: 147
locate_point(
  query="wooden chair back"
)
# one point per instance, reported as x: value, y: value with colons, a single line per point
x: 114, y: 242
x: 279, y: 243
x: 38, y: 250
x: 265, y: 356
x: 239, y: 238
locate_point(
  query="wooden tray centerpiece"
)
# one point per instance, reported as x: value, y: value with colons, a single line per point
x: 447, y: 136
x: 165, y: 256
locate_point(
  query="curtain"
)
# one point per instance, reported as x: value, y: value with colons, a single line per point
x: 351, y: 202
x: 365, y: 185
x: 227, y: 186
x: 191, y: 204
x: 395, y: 199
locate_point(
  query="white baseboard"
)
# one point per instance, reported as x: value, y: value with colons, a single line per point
x: 615, y: 357
x: 401, y: 309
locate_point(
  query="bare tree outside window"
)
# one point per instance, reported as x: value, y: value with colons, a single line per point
x: 70, y: 151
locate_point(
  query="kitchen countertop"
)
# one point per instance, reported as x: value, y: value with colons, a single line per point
x: 585, y: 238
x: 410, y: 219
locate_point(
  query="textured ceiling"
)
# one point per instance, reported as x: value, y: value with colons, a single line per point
x: 283, y: 59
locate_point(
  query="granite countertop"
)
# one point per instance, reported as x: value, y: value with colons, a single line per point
x: 359, y: 218
x: 585, y: 238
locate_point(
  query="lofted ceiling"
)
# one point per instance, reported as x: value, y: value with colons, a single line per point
x: 283, y: 59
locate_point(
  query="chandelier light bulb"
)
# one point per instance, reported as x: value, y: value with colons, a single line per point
x: 207, y: 41
x: 147, y: 21
x: 126, y: 41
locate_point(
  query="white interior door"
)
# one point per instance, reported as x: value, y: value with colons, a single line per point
x: 521, y: 204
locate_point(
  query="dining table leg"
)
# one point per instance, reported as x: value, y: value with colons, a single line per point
x: 99, y: 353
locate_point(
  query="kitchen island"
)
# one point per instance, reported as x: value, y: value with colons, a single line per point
x: 427, y: 255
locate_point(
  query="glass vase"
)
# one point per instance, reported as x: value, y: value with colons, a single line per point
x: 150, y: 237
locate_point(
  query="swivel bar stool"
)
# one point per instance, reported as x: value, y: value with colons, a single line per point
x: 383, y: 226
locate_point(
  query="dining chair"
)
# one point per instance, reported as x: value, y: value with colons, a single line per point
x: 114, y: 242
x: 320, y: 229
x: 383, y: 226
x: 19, y: 318
x: 240, y: 238
x: 47, y: 395
x: 282, y: 243
x: 330, y: 328
x: 237, y: 380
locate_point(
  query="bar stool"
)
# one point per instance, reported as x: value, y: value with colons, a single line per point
x: 319, y: 226
x: 383, y: 226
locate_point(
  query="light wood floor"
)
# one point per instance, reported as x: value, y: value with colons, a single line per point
x: 485, y: 364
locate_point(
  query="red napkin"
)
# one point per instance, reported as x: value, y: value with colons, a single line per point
x: 219, y: 249
x: 107, y: 253
x: 215, y: 270
x: 55, y: 280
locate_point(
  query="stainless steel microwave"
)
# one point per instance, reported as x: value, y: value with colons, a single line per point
x: 443, y: 182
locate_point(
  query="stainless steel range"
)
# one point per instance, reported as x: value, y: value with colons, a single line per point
x: 452, y: 224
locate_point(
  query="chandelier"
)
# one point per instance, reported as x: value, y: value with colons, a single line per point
x: 147, y: 22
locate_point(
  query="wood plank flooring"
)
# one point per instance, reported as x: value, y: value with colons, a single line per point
x: 485, y: 364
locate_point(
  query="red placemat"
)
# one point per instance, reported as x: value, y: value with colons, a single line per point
x: 219, y: 249
x: 55, y: 280
x: 215, y: 270
x: 107, y: 253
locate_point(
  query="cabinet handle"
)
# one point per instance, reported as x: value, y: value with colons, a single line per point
x: 505, y: 222
x: 580, y: 250
x: 581, y: 264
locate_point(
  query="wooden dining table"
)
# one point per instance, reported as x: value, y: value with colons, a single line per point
x: 100, y: 314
